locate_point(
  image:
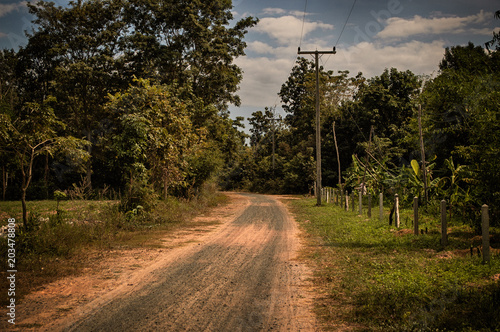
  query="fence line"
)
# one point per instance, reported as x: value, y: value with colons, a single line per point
x: 336, y: 197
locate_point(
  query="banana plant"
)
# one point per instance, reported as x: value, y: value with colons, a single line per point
x: 454, y: 189
x: 416, y: 179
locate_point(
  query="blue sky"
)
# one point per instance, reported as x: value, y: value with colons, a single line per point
x: 405, y: 34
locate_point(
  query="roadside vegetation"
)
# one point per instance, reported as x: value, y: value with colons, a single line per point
x: 375, y: 277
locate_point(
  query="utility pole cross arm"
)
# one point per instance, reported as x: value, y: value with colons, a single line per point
x: 334, y: 51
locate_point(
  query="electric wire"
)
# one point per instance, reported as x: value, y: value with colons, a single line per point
x: 343, y: 28
x: 300, y: 44
x: 345, y: 23
x: 303, y: 23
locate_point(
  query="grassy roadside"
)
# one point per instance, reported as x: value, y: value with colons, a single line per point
x: 374, y: 277
x: 84, y: 232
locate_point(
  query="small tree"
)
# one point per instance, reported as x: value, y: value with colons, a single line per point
x: 154, y: 137
x: 31, y: 132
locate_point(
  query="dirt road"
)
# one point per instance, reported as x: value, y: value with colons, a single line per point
x: 241, y: 276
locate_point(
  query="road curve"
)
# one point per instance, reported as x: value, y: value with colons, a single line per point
x: 243, y: 277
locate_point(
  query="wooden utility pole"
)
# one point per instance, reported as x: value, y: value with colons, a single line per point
x: 366, y: 162
x: 274, y: 140
x: 422, y: 151
x: 338, y: 158
x: 318, y: 127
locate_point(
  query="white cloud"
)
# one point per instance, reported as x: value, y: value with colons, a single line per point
x: 283, y: 12
x: 260, y: 47
x: 274, y: 52
x: 263, y: 76
x: 273, y: 11
x: 403, y: 28
x: 272, y: 59
x: 10, y: 7
x: 371, y: 59
x: 262, y: 79
x: 287, y: 29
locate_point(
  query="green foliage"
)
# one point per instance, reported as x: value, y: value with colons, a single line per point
x: 59, y: 196
x: 138, y: 193
x: 461, y: 114
x: 31, y: 132
x: 83, y: 57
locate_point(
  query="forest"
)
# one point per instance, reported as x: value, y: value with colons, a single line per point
x: 129, y: 100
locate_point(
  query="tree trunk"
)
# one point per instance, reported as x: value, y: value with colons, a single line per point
x: 89, y: 162
x: 165, y: 185
x: 25, y: 211
x: 391, y: 214
x: 5, y: 176
x: 46, y: 175
x: 27, y: 175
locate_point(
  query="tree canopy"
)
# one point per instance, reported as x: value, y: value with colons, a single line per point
x: 144, y: 85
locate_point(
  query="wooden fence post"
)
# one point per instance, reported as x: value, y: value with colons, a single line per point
x: 444, y: 225
x: 360, y: 202
x: 352, y: 202
x: 396, y: 209
x: 381, y: 207
x: 485, y: 218
x: 346, y: 202
x: 369, y: 206
x: 415, y: 215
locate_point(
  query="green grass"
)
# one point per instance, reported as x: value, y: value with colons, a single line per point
x: 376, y: 277
x: 78, y: 210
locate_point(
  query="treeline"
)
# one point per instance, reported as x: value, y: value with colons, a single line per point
x: 128, y: 98
x: 376, y: 123
x: 120, y: 96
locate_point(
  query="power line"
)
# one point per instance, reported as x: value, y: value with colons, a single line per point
x: 345, y: 23
x: 343, y: 28
x: 303, y: 22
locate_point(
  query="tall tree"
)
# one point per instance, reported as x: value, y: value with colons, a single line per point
x: 92, y: 48
x: 461, y: 110
x: 153, y: 135
x: 187, y: 41
x: 447, y: 98
x: 386, y: 102
x: 8, y: 102
x: 261, y: 125
x: 297, y: 97
x: 72, y: 55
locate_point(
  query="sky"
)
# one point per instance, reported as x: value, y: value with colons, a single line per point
x: 378, y: 34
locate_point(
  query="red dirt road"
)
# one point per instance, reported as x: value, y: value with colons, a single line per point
x: 241, y: 275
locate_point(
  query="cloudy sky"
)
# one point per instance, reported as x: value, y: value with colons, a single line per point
x: 379, y: 34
